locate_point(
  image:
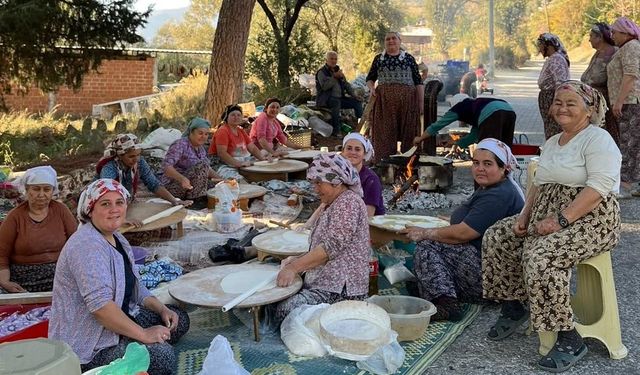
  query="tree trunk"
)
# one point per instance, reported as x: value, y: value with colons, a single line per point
x: 227, y: 58
x: 284, y: 78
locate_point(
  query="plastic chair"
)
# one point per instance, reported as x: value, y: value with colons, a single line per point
x: 595, y: 307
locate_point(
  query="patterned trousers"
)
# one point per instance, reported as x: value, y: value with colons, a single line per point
x: 537, y: 269
x: 629, y: 124
x: 448, y: 270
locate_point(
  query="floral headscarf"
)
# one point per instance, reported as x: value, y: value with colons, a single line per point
x: 503, y: 152
x: 592, y: 98
x: 334, y: 169
x: 604, y: 31
x: 44, y: 175
x: 368, y: 148
x: 93, y: 192
x: 548, y: 39
x: 196, y: 123
x: 625, y: 25
x: 122, y: 144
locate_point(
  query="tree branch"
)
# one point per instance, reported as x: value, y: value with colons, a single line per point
x: 292, y: 21
x: 271, y: 17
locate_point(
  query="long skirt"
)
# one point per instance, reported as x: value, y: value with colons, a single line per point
x: 310, y: 297
x: 198, y: 175
x: 537, y: 269
x: 499, y: 125
x: 610, y: 123
x: 629, y: 125
x: 551, y: 127
x: 33, y: 277
x: 163, y: 357
x: 395, y: 118
x: 448, y: 270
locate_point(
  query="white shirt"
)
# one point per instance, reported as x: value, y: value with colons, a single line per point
x: 591, y: 158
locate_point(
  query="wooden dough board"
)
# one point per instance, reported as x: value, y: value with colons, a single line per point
x: 202, y: 287
x: 273, y: 243
x: 279, y: 167
x: 143, y: 210
x: 246, y: 191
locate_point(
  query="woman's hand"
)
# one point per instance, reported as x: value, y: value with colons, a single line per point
x: 418, y: 140
x: 244, y: 164
x: 12, y: 287
x: 185, y: 183
x: 156, y: 334
x: 547, y: 226
x: 170, y: 318
x: 134, y: 223
x: 617, y: 109
x: 186, y: 203
x: 520, y: 225
x: 417, y: 234
x: 286, y: 276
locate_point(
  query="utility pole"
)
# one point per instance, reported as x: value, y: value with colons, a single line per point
x: 492, y: 50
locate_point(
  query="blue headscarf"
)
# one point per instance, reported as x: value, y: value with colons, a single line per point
x: 196, y: 123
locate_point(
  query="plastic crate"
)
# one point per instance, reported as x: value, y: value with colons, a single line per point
x: 521, y: 175
x: 35, y: 331
x: 524, y: 149
x: 300, y: 137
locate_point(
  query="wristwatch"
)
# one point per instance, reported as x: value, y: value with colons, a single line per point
x: 562, y: 220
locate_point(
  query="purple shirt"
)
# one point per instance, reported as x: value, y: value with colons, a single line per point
x: 182, y: 156
x: 343, y: 230
x: 372, y: 188
x: 89, y: 274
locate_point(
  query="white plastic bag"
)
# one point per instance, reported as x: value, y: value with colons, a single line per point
x: 161, y: 138
x: 220, y: 361
x: 386, y: 360
x: 397, y: 273
x: 300, y: 331
x: 320, y: 126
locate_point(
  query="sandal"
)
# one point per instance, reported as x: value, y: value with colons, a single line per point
x: 505, y: 327
x: 562, y: 361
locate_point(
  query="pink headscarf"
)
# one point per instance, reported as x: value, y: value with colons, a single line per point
x: 625, y: 25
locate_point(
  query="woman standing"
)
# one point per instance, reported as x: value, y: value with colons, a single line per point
x: 266, y: 132
x: 554, y: 71
x: 398, y: 98
x: 358, y: 150
x: 624, y: 95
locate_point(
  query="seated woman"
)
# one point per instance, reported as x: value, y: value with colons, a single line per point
x: 187, y: 173
x: 571, y: 214
x: 358, y: 150
x: 122, y: 162
x: 447, y: 261
x: 33, y: 233
x: 266, y: 132
x: 99, y: 305
x: 337, y: 266
x: 231, y: 146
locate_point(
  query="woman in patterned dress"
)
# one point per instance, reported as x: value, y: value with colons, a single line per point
x: 624, y: 94
x: 554, y: 71
x: 399, y: 98
x: 570, y: 215
x: 337, y: 266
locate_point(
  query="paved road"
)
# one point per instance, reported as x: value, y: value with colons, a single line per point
x: 472, y: 352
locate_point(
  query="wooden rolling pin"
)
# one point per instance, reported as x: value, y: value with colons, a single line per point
x: 169, y: 211
x: 248, y: 293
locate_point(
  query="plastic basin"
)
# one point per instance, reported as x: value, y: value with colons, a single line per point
x: 139, y: 254
x: 410, y: 316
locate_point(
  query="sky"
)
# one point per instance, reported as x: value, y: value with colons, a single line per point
x: 162, y: 4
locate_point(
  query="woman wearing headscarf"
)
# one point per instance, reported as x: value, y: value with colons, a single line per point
x: 398, y: 98
x: 596, y: 73
x: 231, y: 147
x: 624, y: 95
x: 187, y: 174
x: 33, y: 233
x: 358, y: 150
x: 122, y: 161
x: 337, y: 265
x: 99, y: 305
x: 448, y: 260
x: 554, y: 70
x: 570, y: 215
x: 266, y: 133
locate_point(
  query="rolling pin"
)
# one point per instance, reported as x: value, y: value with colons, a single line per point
x: 231, y: 304
x: 169, y: 211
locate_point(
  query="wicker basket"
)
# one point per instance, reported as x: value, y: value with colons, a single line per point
x: 299, y: 136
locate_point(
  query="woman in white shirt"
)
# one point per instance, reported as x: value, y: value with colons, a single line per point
x: 571, y: 214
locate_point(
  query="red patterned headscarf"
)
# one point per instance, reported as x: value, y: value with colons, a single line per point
x: 94, y: 191
x: 335, y: 169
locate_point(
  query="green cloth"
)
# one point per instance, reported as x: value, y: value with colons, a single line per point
x: 196, y: 123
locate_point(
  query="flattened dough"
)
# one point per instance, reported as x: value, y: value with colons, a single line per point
x: 240, y: 282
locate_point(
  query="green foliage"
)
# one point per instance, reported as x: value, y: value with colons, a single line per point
x: 34, y: 33
x: 184, y: 101
x: 442, y: 16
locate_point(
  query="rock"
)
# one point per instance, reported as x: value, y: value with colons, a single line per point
x: 143, y: 125
x: 86, y: 126
x: 101, y: 126
x: 46, y: 135
x: 121, y: 127
x: 154, y: 126
x: 72, y: 131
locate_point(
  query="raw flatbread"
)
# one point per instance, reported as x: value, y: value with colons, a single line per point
x: 295, y: 238
x: 240, y: 282
x: 265, y: 162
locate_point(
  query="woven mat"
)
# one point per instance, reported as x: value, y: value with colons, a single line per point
x: 270, y: 355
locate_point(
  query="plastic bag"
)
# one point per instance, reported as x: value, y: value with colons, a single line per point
x: 320, y: 126
x: 300, y: 331
x: 136, y: 359
x: 386, y: 360
x: 397, y: 273
x: 290, y: 110
x: 227, y: 214
x: 161, y: 138
x: 220, y: 361
x: 308, y: 81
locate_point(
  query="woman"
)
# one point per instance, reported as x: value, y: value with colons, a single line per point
x: 398, y: 98
x: 596, y: 73
x: 358, y: 150
x: 448, y: 260
x: 33, y: 233
x: 187, y: 173
x: 571, y: 214
x: 624, y: 96
x: 99, y: 305
x: 231, y: 146
x: 554, y: 70
x: 337, y: 266
x: 266, y: 132
x: 122, y: 162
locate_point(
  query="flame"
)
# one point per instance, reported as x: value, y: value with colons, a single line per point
x: 455, y: 137
x: 410, y: 166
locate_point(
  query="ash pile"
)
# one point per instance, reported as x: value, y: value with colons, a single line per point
x: 415, y: 200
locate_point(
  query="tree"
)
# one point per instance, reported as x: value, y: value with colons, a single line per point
x: 442, y: 16
x: 228, y: 56
x: 282, y: 16
x: 194, y: 32
x: 50, y: 43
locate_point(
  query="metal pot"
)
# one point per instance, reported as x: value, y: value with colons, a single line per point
x: 434, y: 173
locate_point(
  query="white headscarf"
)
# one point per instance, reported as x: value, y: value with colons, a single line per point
x: 503, y: 152
x: 368, y: 148
x: 37, y: 176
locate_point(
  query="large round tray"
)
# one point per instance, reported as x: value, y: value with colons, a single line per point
x: 282, y: 242
x: 278, y: 167
x: 395, y: 223
x: 246, y: 191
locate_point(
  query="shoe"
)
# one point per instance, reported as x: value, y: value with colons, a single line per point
x: 505, y: 327
x: 562, y: 356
